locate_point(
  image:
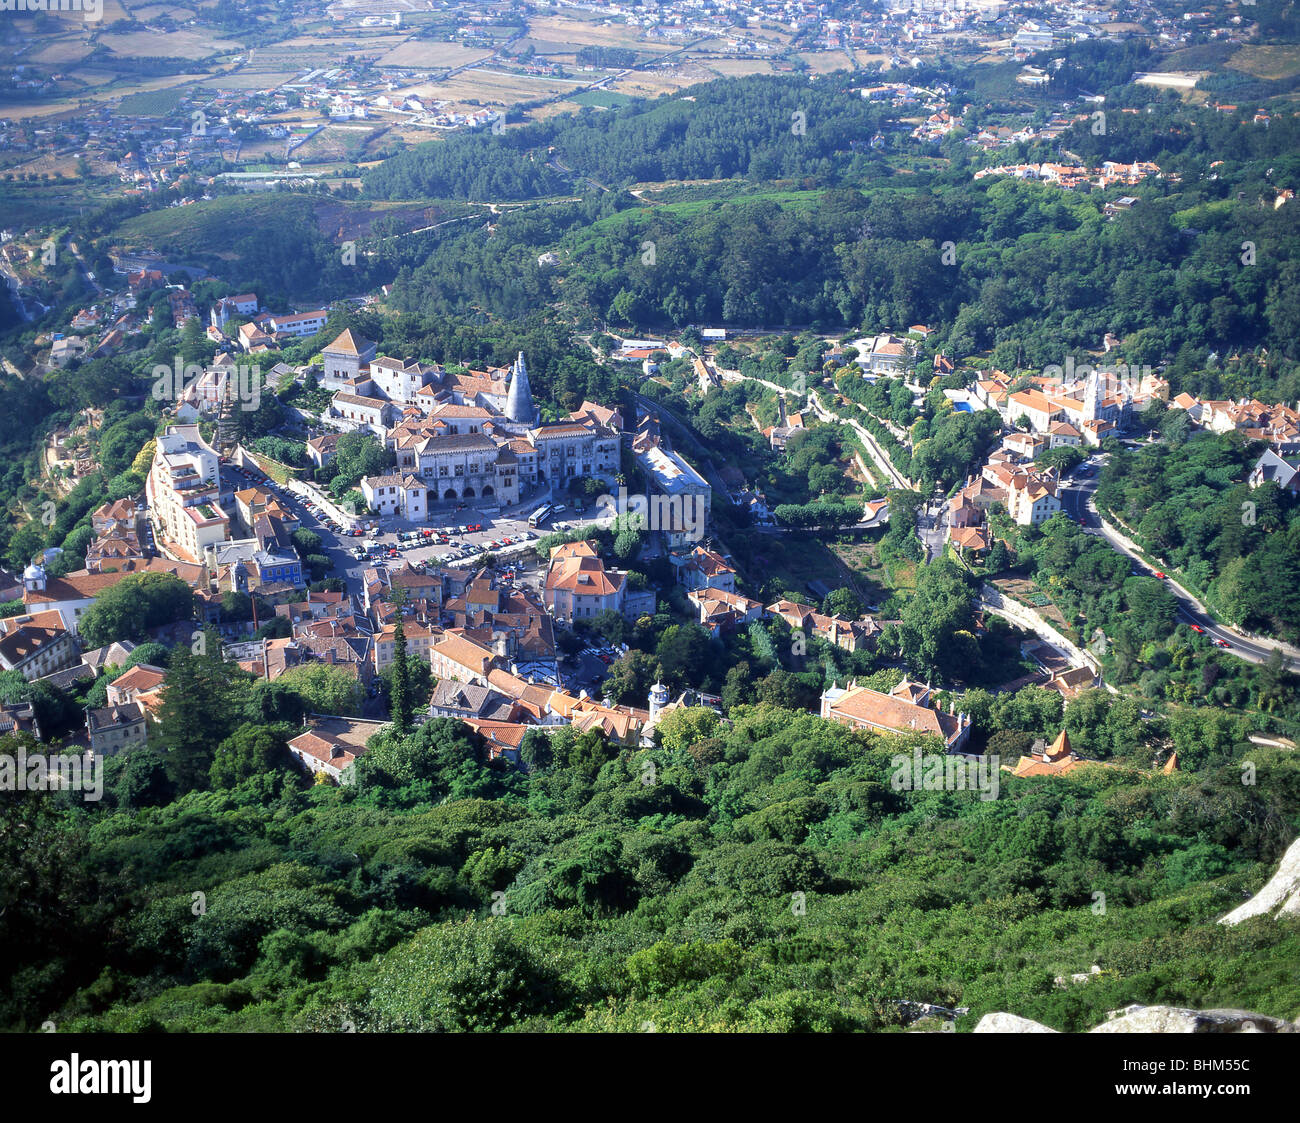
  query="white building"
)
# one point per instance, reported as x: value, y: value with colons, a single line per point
x: 184, y: 486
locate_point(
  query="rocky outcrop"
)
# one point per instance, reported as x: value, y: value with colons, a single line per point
x: 1282, y: 893
x: 1174, y: 1019
x: 1010, y: 1023
x: 1153, y: 1019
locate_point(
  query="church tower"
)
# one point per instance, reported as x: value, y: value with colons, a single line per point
x: 1092, y: 396
x: 519, y: 399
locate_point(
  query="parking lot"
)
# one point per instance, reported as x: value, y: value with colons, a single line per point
x: 453, y: 535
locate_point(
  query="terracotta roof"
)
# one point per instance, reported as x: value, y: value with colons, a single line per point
x: 883, y: 711
x: 347, y: 343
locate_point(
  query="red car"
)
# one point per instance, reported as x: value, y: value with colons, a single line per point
x: 1161, y: 575
x: 1223, y: 643
x: 1198, y: 628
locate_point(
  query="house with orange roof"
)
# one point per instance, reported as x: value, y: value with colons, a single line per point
x: 577, y: 584
x: 720, y: 611
x: 331, y: 745
x: 455, y: 656
x: 1036, y: 407
x: 704, y: 568
x: 36, y: 644
x: 1058, y: 759
x: 345, y: 357
x: 1063, y: 434
x: 907, y: 708
x: 501, y: 739
x: 73, y: 593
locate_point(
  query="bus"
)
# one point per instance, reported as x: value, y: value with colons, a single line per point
x: 539, y: 516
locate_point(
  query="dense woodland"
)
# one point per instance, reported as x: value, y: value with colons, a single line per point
x: 770, y: 878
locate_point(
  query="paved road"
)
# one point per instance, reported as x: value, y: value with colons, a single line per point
x: 1077, y: 499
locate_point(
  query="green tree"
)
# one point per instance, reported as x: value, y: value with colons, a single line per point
x: 138, y: 602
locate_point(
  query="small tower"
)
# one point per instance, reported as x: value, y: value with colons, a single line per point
x: 34, y: 578
x: 658, y: 700
x: 519, y: 398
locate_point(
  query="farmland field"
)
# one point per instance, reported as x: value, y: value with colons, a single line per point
x: 432, y: 55
x: 64, y: 50
x: 171, y: 44
x: 739, y: 67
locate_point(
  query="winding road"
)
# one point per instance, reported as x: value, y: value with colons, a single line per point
x: 1077, y: 499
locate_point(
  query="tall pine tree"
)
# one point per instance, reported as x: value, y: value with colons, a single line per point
x: 400, y: 701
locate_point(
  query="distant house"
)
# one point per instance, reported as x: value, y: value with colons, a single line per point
x: 331, y: 745
x: 579, y: 586
x: 111, y: 729
x: 321, y: 450
x: 1272, y: 468
x: 885, y: 354
x: 65, y: 350
x: 406, y: 496
x: 1058, y: 759
x: 298, y: 324
x: 36, y: 645
x: 703, y: 568
x: 905, y: 709
x: 720, y: 611
x: 1062, y: 433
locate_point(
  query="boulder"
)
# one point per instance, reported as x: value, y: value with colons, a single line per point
x: 1174, y: 1019
x: 1010, y: 1023
x: 1282, y: 893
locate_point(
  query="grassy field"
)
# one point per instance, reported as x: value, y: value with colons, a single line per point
x: 184, y: 44
x: 638, y: 84
x: 156, y: 103
x: 195, y: 230
x: 572, y: 33
x: 148, y: 12
x: 432, y: 55
x: 1268, y: 62
x: 739, y: 67
x: 65, y: 50
x: 490, y: 87
x: 825, y: 62
x: 45, y: 204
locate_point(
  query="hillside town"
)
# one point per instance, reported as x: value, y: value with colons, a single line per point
x: 604, y: 518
